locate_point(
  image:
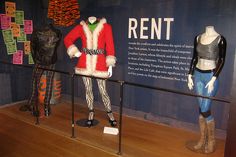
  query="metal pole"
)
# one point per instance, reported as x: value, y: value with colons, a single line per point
x: 36, y: 102
x: 37, y: 112
x: 72, y: 106
x: 120, y: 118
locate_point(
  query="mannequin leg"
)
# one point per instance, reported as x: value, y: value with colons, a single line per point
x: 89, y: 98
x: 210, y: 123
x: 32, y: 99
x: 48, y: 93
x: 199, y: 146
x: 37, y: 73
x: 205, y: 107
x: 106, y: 101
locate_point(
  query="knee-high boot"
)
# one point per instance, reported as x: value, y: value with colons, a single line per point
x: 210, y: 147
x: 203, y: 132
x: 199, y: 146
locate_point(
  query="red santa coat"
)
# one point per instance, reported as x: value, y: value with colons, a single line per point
x: 101, y: 38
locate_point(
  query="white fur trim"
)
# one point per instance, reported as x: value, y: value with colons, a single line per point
x: 101, y: 74
x: 71, y: 50
x: 83, y: 71
x: 93, y: 62
x: 89, y: 65
x: 110, y: 61
x: 88, y: 35
x: 96, y: 32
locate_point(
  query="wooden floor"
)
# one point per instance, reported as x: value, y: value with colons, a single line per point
x: 20, y: 137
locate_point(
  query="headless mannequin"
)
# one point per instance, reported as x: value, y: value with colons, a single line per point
x: 208, y: 60
x: 93, y: 31
x: 44, y: 43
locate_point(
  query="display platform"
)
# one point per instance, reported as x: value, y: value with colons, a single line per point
x: 139, y: 137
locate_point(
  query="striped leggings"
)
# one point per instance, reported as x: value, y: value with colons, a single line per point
x: 36, y: 76
x: 102, y: 89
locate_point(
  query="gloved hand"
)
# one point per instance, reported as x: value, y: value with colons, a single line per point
x: 210, y: 84
x: 110, y: 71
x: 190, y: 82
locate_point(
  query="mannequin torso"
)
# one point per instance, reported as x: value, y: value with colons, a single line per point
x: 207, y: 38
x: 209, y: 35
x: 208, y: 60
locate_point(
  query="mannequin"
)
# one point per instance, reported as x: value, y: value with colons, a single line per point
x: 44, y: 43
x: 96, y: 58
x: 206, y: 65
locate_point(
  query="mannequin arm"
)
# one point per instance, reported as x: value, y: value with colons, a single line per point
x: 110, y: 49
x: 210, y: 84
x: 190, y: 82
x: 110, y: 71
x: 70, y: 39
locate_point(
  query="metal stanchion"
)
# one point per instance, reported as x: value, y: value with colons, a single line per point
x: 120, y: 118
x: 37, y: 112
x: 72, y: 106
x: 36, y: 106
x: 122, y: 83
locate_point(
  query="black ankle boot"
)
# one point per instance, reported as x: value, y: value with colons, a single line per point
x: 89, y: 122
x: 35, y: 112
x: 112, y: 120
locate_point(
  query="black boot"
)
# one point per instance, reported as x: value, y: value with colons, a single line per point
x: 47, y: 110
x: 35, y: 112
x: 112, y: 120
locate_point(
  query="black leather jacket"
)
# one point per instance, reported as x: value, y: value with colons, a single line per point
x: 44, y: 42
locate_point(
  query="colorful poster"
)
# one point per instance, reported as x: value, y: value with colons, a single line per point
x: 11, y: 47
x: 30, y: 59
x: 27, y: 47
x: 10, y: 8
x: 5, y: 21
x: 28, y: 26
x: 7, y: 36
x: 18, y: 57
x: 15, y: 29
x: 19, y: 19
x: 22, y: 37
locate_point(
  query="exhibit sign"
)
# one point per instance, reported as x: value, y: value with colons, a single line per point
x: 150, y: 55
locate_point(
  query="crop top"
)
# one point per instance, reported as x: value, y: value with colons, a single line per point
x: 216, y: 50
x: 208, y: 51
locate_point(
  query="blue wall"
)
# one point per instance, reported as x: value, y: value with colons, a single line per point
x: 190, y: 18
